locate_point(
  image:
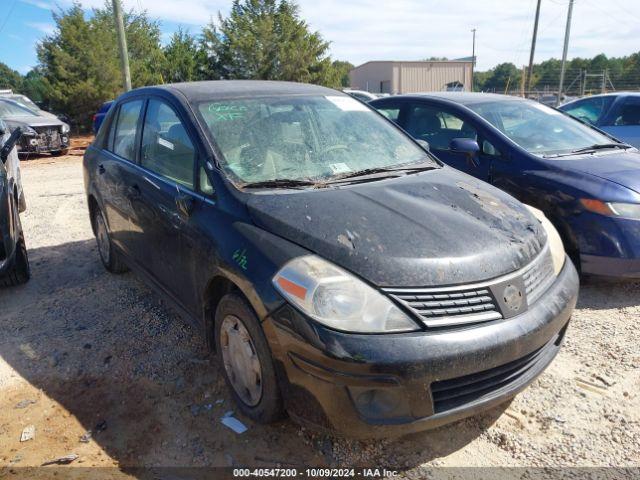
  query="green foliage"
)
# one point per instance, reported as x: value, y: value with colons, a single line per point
x: 623, y: 73
x: 182, y: 58
x: 9, y: 78
x: 342, y: 71
x: 266, y: 39
x: 79, y: 62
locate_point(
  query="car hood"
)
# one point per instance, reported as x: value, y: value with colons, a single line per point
x: 622, y: 167
x: 34, y: 121
x: 440, y: 227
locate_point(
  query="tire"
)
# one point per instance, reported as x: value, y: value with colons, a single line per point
x: 21, y: 271
x: 109, y: 256
x: 59, y: 153
x: 268, y: 406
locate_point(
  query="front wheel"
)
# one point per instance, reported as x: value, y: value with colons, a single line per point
x: 245, y: 360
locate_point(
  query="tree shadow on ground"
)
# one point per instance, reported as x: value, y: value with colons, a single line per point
x: 126, y: 367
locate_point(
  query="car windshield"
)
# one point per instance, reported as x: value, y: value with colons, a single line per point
x: 539, y: 129
x: 304, y: 138
x: 14, y: 109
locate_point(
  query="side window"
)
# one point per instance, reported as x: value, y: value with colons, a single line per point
x: 125, y: 128
x: 629, y: 113
x: 166, y: 147
x: 437, y: 126
x: 392, y: 112
x: 489, y: 149
x: 589, y: 110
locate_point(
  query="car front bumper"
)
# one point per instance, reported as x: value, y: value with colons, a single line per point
x: 45, y: 141
x: 369, y: 386
x: 609, y: 246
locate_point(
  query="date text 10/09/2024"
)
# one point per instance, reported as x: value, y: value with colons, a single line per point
x: 314, y: 472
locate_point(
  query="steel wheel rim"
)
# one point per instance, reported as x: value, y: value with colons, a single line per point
x: 241, y: 360
x: 102, y: 237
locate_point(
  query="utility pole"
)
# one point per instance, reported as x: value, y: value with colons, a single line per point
x: 604, y: 81
x: 567, y: 31
x: 524, y: 74
x: 122, y: 44
x: 533, y: 46
x: 473, y: 56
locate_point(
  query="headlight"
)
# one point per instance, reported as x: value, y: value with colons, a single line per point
x: 65, y: 128
x: 612, y: 209
x: 337, y: 299
x: 553, y: 238
x: 26, y: 129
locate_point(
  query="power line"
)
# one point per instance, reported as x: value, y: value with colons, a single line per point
x: 6, y: 19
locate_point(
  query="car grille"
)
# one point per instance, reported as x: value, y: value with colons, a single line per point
x: 538, y: 276
x: 450, y: 394
x: 441, y: 307
x: 445, y: 307
x: 48, y: 137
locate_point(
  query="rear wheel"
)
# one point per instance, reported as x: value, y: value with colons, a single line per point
x: 245, y: 360
x: 21, y: 271
x: 108, y: 255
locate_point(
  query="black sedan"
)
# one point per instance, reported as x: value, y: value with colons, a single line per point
x: 341, y: 273
x: 41, y: 132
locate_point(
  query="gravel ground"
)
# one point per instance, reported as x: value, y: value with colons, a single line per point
x: 83, y: 350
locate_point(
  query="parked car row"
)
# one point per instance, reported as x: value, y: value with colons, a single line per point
x: 342, y: 272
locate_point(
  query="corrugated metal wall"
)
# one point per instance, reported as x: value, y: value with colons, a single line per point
x: 432, y: 76
x: 410, y: 77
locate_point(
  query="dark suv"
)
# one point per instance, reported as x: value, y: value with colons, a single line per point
x: 341, y: 273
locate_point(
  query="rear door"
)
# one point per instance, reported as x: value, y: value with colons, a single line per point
x: 116, y: 180
x: 167, y: 187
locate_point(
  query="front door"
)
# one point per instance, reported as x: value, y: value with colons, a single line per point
x: 167, y: 188
x: 438, y: 126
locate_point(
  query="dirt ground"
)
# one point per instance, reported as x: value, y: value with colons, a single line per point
x: 83, y: 350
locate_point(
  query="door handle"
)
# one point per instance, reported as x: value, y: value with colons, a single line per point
x: 101, y: 169
x: 185, y: 204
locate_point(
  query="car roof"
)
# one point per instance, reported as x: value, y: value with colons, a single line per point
x: 213, y: 89
x: 466, y: 98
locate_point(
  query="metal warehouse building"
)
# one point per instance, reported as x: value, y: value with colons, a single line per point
x: 410, y: 77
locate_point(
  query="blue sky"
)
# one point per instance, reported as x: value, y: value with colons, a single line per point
x: 362, y: 30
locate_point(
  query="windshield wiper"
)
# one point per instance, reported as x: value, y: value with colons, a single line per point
x: 601, y: 146
x: 591, y: 148
x: 279, y: 183
x: 372, y: 171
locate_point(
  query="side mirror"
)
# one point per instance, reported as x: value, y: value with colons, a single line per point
x: 9, y: 144
x: 468, y: 147
x: 423, y: 143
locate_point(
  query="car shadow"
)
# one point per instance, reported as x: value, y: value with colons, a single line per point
x: 121, y: 363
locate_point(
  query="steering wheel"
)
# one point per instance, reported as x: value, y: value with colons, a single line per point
x: 334, y: 148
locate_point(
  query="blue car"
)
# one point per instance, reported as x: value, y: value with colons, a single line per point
x: 616, y: 113
x: 586, y: 182
x: 99, y: 116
